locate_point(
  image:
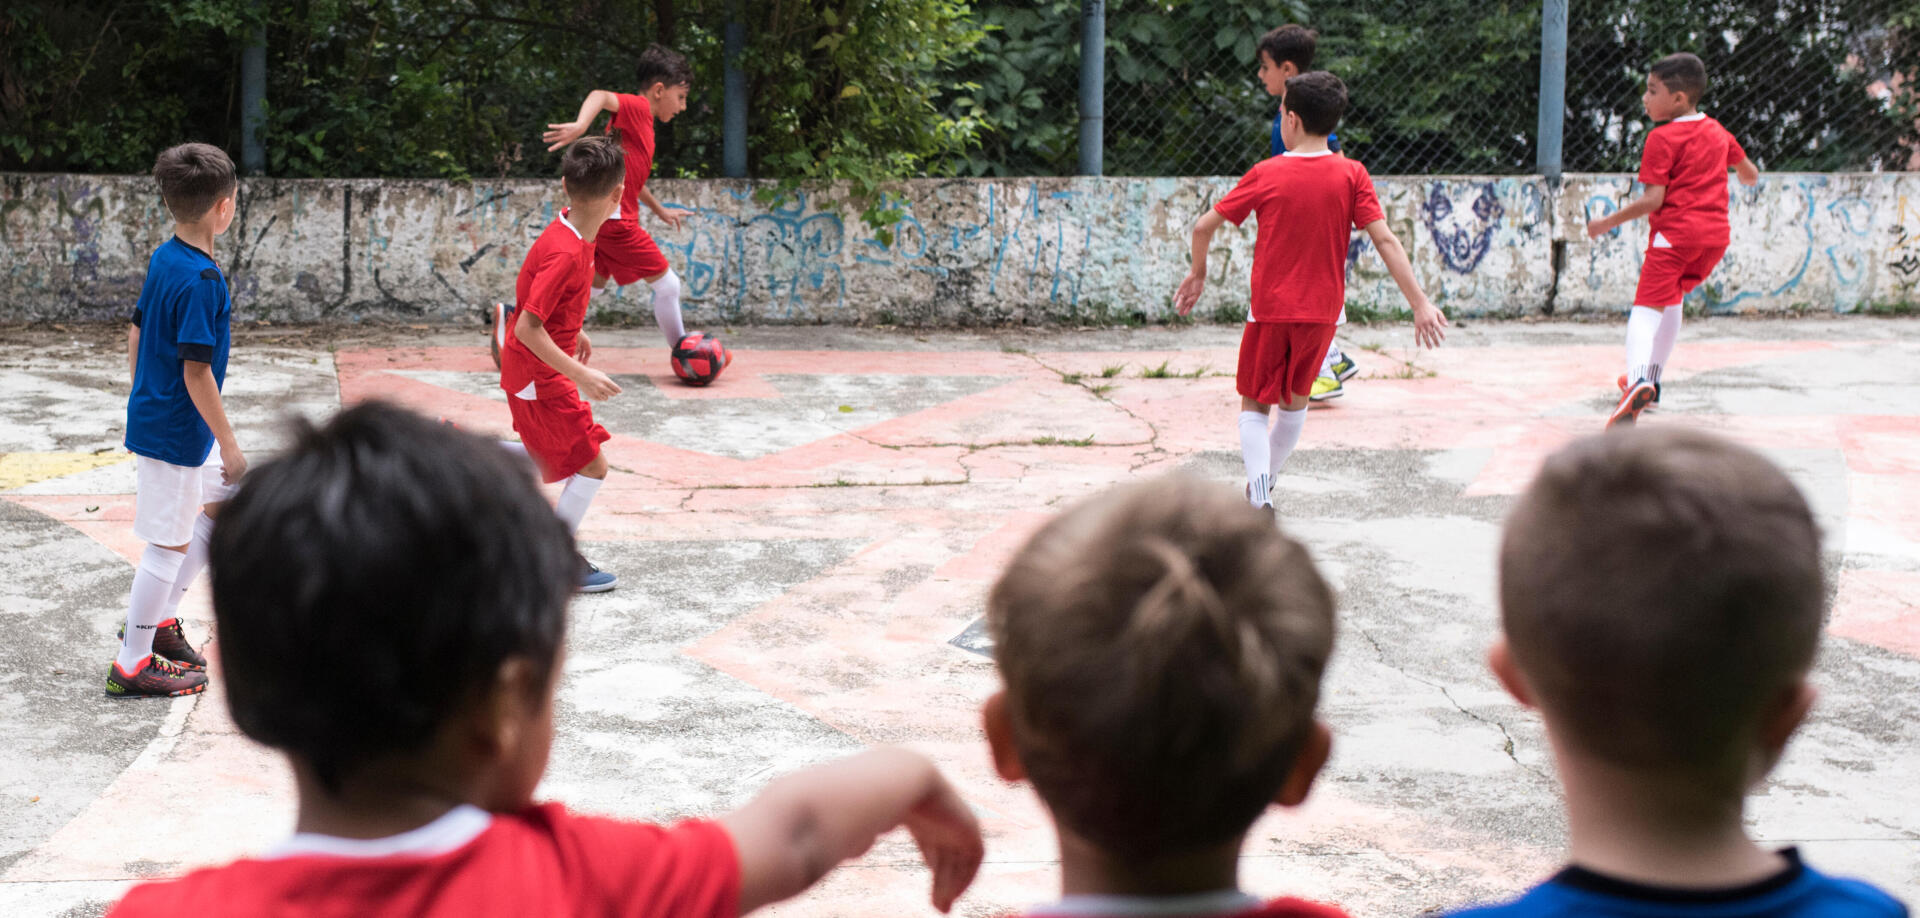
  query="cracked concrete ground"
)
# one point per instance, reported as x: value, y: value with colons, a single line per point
x: 804, y: 546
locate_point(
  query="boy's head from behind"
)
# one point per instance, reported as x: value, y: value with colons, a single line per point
x: 1161, y: 647
x: 1285, y: 52
x: 1671, y: 78
x: 1661, y: 596
x: 594, y: 168
x: 1318, y: 99
x: 197, y: 183
x: 664, y: 78
x: 418, y: 574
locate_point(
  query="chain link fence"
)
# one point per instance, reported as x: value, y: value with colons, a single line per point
x: 1452, y: 86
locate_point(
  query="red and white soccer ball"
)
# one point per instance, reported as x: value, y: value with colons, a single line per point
x: 699, y: 357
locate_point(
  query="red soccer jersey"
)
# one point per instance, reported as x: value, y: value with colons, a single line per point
x: 555, y: 281
x: 1690, y: 155
x: 634, y: 121
x: 540, y: 861
x: 1307, y: 203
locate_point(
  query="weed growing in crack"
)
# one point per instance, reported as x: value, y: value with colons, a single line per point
x: 1111, y: 370
x: 1051, y: 440
x: 1159, y: 372
x: 1101, y: 389
x: 1071, y: 379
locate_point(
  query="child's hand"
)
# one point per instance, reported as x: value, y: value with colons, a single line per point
x: 1429, y: 324
x: 673, y: 217
x: 233, y: 465
x: 559, y: 135
x: 1189, y: 293
x: 1597, y: 228
x: 949, y: 840
x: 582, y: 348
x: 596, y: 386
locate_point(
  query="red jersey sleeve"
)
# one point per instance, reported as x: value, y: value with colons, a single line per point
x: 1366, y: 204
x: 1656, y: 159
x: 550, y: 279
x: 688, y: 869
x: 1243, y: 198
x: 635, y: 112
x: 1735, y: 153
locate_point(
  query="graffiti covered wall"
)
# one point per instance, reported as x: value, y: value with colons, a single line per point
x: 966, y: 251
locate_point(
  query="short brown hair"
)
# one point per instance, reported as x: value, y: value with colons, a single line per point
x: 658, y: 64
x: 1319, y: 98
x: 1292, y: 44
x: 1682, y: 72
x: 1658, y: 588
x: 1162, y: 647
x: 193, y: 177
x: 592, y: 166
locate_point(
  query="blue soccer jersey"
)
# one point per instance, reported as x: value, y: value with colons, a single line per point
x: 1278, y: 146
x: 184, y: 314
x: 1798, y: 891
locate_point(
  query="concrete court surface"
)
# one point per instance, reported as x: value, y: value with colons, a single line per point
x: 803, y: 549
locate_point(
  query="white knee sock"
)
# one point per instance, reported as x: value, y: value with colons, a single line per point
x: 574, y: 498
x: 152, y: 581
x: 1643, y: 323
x: 666, y: 307
x: 1333, y: 357
x: 1663, y: 341
x: 1285, y: 436
x: 190, y: 565
x: 1253, y: 452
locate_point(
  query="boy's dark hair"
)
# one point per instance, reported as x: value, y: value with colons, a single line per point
x: 659, y: 64
x: 1683, y: 72
x: 1319, y: 98
x: 1658, y: 589
x: 593, y: 165
x: 1290, y: 44
x: 1162, y: 647
x: 398, y: 560
x: 193, y: 177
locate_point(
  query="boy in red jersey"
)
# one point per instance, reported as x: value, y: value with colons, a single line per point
x: 1306, y: 199
x: 624, y: 252
x: 1684, y: 168
x: 427, y: 556
x: 1161, y: 648
x: 543, y: 363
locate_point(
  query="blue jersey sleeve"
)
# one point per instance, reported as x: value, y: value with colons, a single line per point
x: 1275, y: 145
x: 196, y: 337
x: 1333, y: 142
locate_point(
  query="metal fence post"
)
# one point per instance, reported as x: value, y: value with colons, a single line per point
x: 253, y: 101
x: 1553, y: 87
x: 1093, y: 83
x: 733, y: 123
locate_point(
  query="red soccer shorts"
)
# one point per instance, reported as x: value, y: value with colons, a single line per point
x: 624, y: 252
x: 558, y: 431
x: 1668, y: 274
x: 1279, y: 360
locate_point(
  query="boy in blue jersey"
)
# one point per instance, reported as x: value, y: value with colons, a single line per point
x: 177, y: 353
x: 1660, y: 596
x: 1285, y: 53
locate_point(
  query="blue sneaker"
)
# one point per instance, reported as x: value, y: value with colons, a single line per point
x: 595, y: 580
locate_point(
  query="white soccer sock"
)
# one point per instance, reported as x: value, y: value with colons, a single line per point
x: 1285, y: 436
x: 574, y: 498
x: 1663, y: 341
x: 152, y: 581
x: 1333, y: 357
x: 1253, y: 452
x: 1643, y: 323
x: 190, y: 565
x: 666, y: 307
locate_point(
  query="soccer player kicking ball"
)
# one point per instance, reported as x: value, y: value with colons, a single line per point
x: 1306, y: 199
x: 1684, y: 167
